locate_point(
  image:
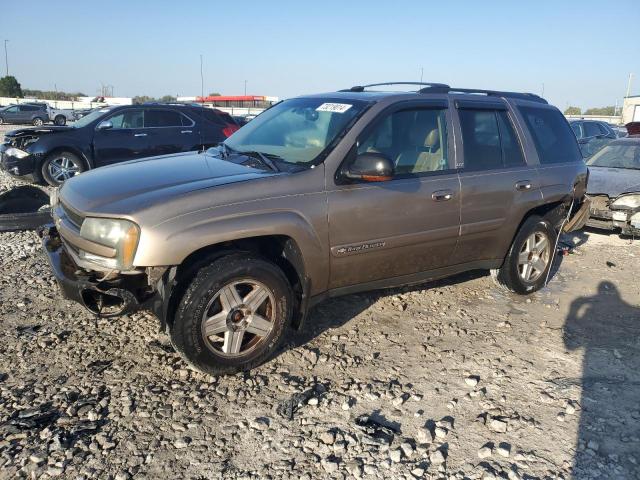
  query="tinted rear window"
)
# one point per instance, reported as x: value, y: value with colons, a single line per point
x: 162, y: 118
x: 552, y: 136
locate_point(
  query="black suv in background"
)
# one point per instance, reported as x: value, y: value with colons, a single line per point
x: 34, y: 113
x: 111, y: 135
x: 592, y: 135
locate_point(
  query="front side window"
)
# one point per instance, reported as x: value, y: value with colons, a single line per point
x: 415, y: 140
x: 297, y: 130
x: 128, y: 119
x: 553, y: 138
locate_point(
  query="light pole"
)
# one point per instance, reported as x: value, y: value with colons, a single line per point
x: 201, y: 81
x: 628, y: 83
x: 245, y: 88
x: 6, y: 57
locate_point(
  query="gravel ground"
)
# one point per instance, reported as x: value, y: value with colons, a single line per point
x: 452, y: 379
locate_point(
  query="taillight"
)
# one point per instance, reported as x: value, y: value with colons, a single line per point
x: 229, y: 130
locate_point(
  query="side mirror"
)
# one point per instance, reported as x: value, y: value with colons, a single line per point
x: 371, y: 167
x: 105, y: 125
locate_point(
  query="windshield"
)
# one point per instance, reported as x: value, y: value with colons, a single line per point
x: 617, y: 156
x: 297, y: 130
x: 87, y: 119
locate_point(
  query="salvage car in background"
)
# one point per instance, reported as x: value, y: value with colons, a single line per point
x: 614, y: 186
x: 111, y: 135
x: 25, y: 113
x: 592, y: 135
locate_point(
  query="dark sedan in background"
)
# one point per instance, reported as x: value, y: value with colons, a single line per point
x: 111, y: 135
x: 614, y: 186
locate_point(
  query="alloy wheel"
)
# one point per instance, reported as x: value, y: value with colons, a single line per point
x: 534, y: 257
x: 238, y: 318
x: 62, y: 169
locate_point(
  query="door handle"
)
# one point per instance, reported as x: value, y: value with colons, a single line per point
x: 442, y: 195
x: 139, y: 134
x: 186, y: 131
x: 523, y: 185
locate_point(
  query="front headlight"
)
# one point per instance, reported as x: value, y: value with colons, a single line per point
x: 122, y: 235
x: 15, y: 152
x: 629, y: 201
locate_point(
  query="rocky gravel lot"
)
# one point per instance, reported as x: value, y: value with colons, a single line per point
x: 452, y: 379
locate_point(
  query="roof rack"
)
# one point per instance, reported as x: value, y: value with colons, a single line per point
x: 532, y: 97
x: 444, y: 88
x: 360, y: 88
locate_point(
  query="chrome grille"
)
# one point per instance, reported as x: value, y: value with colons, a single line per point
x: 74, y: 217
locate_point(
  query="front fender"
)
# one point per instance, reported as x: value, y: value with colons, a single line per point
x: 171, y: 242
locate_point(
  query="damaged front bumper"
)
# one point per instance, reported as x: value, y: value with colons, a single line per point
x: 602, y: 216
x: 100, y: 293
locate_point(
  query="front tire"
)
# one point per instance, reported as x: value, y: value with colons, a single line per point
x: 60, y: 120
x: 233, y: 315
x: 61, y: 166
x: 527, y: 264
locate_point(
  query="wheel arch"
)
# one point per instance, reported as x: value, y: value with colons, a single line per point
x: 280, y: 249
x: 71, y: 149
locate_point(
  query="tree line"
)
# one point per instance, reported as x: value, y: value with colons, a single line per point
x: 602, y: 111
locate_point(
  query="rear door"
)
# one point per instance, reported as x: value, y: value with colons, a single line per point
x: 25, y: 113
x: 405, y: 225
x: 125, y: 140
x: 169, y: 131
x: 497, y: 185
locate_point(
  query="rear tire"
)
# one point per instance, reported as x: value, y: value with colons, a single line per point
x: 233, y: 315
x: 38, y: 122
x: 61, y: 166
x: 527, y: 264
x: 1, y: 121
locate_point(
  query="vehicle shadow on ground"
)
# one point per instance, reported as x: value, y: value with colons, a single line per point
x: 335, y: 312
x: 607, y: 329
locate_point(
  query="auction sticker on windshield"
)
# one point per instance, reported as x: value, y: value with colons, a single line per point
x: 334, y: 107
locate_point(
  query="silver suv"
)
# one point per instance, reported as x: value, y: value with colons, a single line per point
x: 319, y: 196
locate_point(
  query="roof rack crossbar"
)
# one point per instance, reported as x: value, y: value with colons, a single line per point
x: 361, y: 88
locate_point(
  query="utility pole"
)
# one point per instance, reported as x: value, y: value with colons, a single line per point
x: 421, y: 73
x: 201, y: 79
x: 628, y: 84
x: 542, y: 95
x: 245, y: 88
x: 6, y: 57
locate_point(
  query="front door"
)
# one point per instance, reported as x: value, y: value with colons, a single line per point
x: 125, y: 140
x: 11, y: 114
x: 405, y: 225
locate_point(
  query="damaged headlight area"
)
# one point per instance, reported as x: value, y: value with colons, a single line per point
x: 121, y: 235
x: 16, y: 152
x: 630, y: 201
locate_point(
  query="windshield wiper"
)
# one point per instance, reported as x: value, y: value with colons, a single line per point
x: 262, y: 157
x: 226, y: 151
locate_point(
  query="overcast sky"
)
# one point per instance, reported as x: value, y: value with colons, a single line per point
x: 582, y: 51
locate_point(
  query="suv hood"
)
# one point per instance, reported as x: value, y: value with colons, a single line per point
x: 36, y: 131
x: 613, y: 181
x: 135, y: 185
